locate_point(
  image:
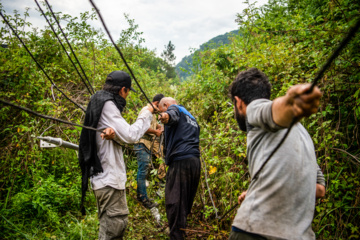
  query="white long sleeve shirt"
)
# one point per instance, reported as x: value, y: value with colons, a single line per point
x: 110, y: 152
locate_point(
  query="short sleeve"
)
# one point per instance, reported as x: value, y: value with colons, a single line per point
x: 259, y: 114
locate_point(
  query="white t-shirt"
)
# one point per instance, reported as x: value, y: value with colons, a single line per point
x: 110, y: 152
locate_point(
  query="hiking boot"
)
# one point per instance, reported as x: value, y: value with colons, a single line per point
x: 149, y: 204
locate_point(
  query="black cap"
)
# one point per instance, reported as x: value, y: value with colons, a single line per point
x: 119, y: 78
x: 158, y: 97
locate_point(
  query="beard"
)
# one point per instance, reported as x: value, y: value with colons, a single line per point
x: 241, y: 120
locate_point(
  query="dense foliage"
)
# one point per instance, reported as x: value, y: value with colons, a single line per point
x: 288, y: 40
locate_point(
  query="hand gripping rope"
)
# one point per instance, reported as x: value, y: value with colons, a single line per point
x: 318, y: 76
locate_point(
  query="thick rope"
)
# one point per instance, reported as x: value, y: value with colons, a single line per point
x: 46, y: 116
x: 318, y: 76
x: 67, y: 41
x: 52, y: 28
x: 82, y: 108
x: 118, y: 50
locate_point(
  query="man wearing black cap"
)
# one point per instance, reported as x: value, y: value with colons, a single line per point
x: 103, y: 160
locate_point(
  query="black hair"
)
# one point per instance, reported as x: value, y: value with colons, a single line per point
x: 250, y: 85
x: 158, y: 97
x: 112, y: 89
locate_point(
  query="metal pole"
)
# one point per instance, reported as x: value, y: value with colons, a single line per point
x: 59, y: 142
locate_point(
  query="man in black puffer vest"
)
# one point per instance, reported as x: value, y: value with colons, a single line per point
x: 182, y: 156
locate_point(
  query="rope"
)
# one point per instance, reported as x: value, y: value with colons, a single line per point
x: 52, y: 28
x: 82, y: 108
x: 118, y: 50
x: 57, y: 120
x: 72, y: 51
x: 230, y: 210
x: 318, y: 76
x: 335, y: 54
x: 46, y: 116
x: 161, y: 142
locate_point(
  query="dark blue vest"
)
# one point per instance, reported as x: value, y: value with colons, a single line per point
x: 181, y: 135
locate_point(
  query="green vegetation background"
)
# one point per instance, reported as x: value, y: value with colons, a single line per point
x: 287, y: 39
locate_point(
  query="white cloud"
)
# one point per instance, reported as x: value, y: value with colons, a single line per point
x: 186, y: 23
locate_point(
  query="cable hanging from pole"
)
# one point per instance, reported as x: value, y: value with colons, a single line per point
x: 52, y: 28
x: 118, y: 50
x: 56, y: 119
x: 67, y: 41
x: 38, y: 64
x: 46, y: 116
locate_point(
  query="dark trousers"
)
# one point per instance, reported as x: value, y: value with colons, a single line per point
x: 244, y: 236
x: 182, y: 180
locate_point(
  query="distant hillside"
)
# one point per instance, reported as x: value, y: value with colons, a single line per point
x: 186, y: 62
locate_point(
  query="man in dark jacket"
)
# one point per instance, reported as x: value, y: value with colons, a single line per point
x: 182, y: 156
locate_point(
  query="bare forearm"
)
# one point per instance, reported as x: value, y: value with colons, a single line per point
x: 282, y: 112
x: 297, y: 103
x: 151, y: 131
x: 320, y: 191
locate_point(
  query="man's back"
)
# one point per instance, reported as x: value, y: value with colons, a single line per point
x: 181, y: 135
x: 280, y: 203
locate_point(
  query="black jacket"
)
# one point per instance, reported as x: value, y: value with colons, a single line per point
x: 181, y: 135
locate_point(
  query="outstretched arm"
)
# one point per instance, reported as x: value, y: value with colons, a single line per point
x: 171, y: 116
x: 119, y: 130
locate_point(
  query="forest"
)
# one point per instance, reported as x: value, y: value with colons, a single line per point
x: 289, y: 40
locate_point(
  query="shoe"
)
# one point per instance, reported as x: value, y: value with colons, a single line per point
x: 149, y: 204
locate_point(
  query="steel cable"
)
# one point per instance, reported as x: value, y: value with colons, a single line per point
x: 52, y: 28
x: 38, y: 64
x: 46, y: 116
x: 67, y: 41
x: 318, y: 76
x: 56, y: 119
x: 118, y: 50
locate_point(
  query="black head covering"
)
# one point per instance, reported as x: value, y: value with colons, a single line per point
x: 88, y: 159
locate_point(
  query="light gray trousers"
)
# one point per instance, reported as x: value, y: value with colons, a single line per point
x: 112, y: 212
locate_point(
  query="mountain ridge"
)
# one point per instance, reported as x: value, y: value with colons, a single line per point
x: 186, y: 62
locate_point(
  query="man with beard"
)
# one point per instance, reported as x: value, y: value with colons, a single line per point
x: 182, y: 156
x: 280, y: 202
x: 103, y: 161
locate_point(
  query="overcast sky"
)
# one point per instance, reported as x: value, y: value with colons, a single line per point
x: 186, y: 23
